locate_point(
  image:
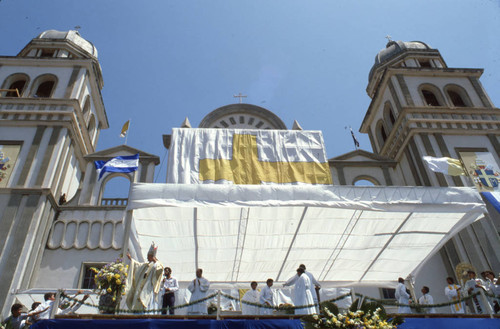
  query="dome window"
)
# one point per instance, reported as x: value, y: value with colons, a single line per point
x: 47, y: 52
x: 424, y: 63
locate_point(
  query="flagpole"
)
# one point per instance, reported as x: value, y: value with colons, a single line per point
x: 128, y: 130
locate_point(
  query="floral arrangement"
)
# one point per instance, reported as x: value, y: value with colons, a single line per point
x: 368, y: 317
x: 212, y: 308
x: 286, y: 308
x: 111, y: 278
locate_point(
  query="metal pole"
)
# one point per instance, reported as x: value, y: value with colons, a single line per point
x: 127, y: 223
x: 218, y: 304
x: 486, y: 303
x: 353, y: 296
x: 55, y: 305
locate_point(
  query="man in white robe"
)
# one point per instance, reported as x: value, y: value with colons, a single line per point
x: 198, y: 288
x: 402, y: 297
x: 315, y: 285
x: 251, y: 296
x: 302, y: 293
x: 427, y: 299
x: 472, y: 286
x: 267, y: 298
x: 452, y: 291
x: 144, y: 282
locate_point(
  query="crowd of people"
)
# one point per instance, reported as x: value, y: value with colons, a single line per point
x: 455, y: 294
x: 147, y: 287
x: 150, y: 284
x: 41, y: 311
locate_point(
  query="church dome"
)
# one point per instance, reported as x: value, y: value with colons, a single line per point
x: 242, y: 116
x: 393, y: 49
x: 71, y: 36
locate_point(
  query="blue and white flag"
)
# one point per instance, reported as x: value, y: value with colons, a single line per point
x: 125, y: 164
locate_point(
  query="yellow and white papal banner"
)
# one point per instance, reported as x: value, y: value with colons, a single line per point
x: 242, y: 156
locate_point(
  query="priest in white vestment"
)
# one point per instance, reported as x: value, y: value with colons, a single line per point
x: 402, y: 297
x: 251, y: 296
x: 452, y: 292
x: 315, y: 285
x: 267, y: 298
x: 144, y: 282
x: 198, y: 288
x: 302, y: 293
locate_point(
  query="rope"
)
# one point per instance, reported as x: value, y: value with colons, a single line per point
x: 394, y: 303
x: 157, y: 310
x: 198, y: 301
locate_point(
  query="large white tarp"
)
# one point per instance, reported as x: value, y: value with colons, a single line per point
x: 345, y: 235
x: 245, y: 156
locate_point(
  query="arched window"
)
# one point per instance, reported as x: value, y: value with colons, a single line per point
x: 114, y: 190
x: 86, y: 108
x: 458, y: 96
x: 365, y: 180
x: 91, y: 127
x: 17, y: 81
x: 432, y: 96
x: 44, y: 86
x: 389, y: 116
x: 381, y: 133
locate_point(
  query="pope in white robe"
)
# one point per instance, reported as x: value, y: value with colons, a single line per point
x: 144, y: 282
x: 198, y: 288
x: 267, y: 298
x: 452, y: 292
x: 302, y: 293
x: 402, y: 297
x: 251, y: 296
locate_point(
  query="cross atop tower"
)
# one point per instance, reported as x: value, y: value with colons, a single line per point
x: 389, y: 38
x: 240, y: 96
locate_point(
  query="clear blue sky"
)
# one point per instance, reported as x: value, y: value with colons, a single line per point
x: 308, y: 61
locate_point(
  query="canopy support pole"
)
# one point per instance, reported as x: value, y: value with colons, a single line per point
x: 291, y: 243
x: 127, y: 223
x: 386, y: 244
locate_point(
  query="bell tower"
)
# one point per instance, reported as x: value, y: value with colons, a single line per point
x: 51, y: 113
x: 421, y: 106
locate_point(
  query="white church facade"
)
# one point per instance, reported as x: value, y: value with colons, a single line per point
x: 56, y: 224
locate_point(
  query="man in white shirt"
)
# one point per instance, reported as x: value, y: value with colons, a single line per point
x: 266, y: 298
x: 251, y: 296
x: 427, y: 299
x: 170, y: 286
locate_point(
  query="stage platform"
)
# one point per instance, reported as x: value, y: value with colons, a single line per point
x: 209, y: 322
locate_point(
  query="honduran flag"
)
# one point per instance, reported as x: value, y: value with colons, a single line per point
x: 124, y: 164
